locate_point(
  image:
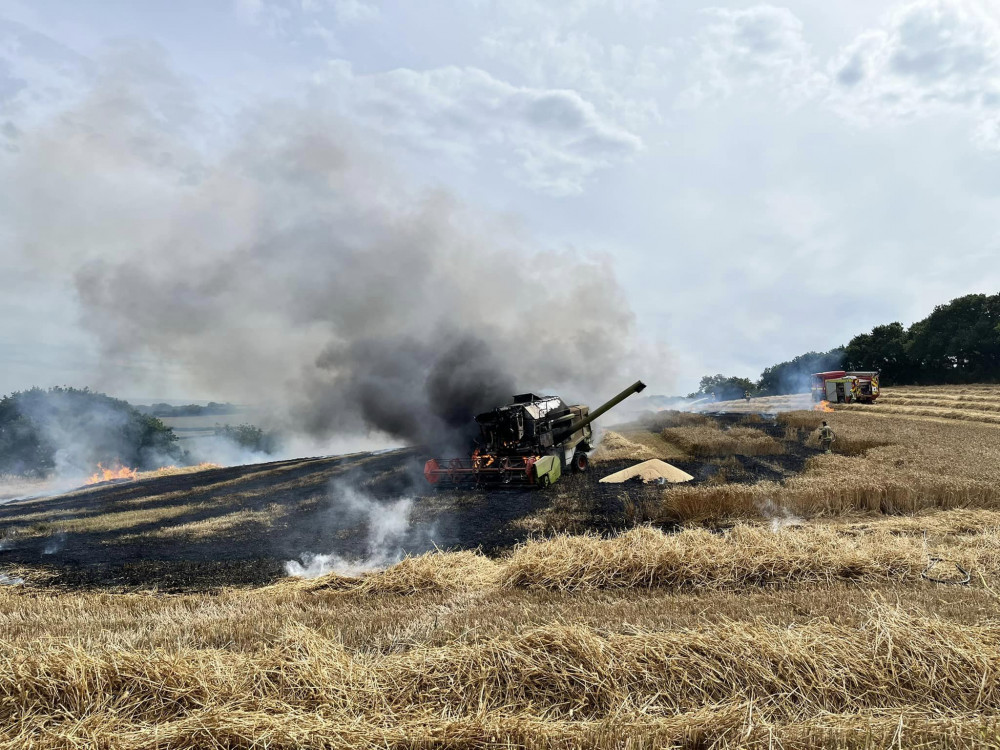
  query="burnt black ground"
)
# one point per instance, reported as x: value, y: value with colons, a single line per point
x: 332, y: 503
x: 319, y: 522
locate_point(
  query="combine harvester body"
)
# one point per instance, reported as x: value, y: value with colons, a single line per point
x: 533, y: 440
x: 842, y: 387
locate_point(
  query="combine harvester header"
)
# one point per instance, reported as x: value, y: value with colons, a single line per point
x: 533, y: 440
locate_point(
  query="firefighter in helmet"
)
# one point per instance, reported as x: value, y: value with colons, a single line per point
x: 826, y: 437
x: 746, y: 395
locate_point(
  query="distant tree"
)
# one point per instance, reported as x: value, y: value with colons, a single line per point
x: 793, y: 376
x: 247, y: 436
x: 724, y: 387
x: 958, y: 342
x: 885, y: 349
x: 75, y: 429
x: 187, y: 410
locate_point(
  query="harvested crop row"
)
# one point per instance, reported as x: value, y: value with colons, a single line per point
x: 893, y: 663
x: 711, y: 441
x: 883, y: 464
x: 982, y: 389
x: 745, y: 556
x: 615, y: 447
x: 924, y: 411
x: 722, y: 727
x: 818, y: 496
x: 972, y: 403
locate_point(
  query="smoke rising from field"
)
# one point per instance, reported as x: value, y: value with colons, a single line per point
x: 779, y: 516
x: 388, y: 533
x: 271, y: 259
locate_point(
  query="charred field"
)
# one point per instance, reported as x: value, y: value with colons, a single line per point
x: 239, y: 526
x: 784, y: 598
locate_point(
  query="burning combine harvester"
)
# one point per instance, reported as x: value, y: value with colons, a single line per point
x: 531, y: 441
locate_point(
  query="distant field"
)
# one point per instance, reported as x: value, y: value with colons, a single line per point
x: 757, y: 405
x: 196, y: 424
x: 785, y: 598
x: 194, y: 427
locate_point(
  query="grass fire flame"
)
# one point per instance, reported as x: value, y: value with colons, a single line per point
x: 105, y: 475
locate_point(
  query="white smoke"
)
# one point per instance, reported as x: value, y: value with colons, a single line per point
x: 388, y: 527
x: 271, y: 259
x: 780, y: 517
x: 55, y: 543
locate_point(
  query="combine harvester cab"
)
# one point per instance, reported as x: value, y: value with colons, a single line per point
x: 533, y: 441
x: 843, y: 387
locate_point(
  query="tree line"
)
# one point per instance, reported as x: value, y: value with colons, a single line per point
x: 69, y: 431
x: 959, y: 342
x: 74, y: 429
x: 212, y: 408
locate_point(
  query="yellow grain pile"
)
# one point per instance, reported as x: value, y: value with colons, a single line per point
x: 649, y: 471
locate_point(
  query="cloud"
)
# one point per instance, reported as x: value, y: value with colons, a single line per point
x: 248, y: 11
x: 355, y: 11
x: 551, y: 140
x: 36, y: 73
x: 288, y: 266
x: 623, y: 78
x: 288, y: 17
x: 563, y: 13
x: 760, y: 46
x: 987, y: 134
x: 926, y: 58
x: 345, y: 11
x: 324, y: 34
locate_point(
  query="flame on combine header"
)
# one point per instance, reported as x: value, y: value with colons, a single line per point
x: 534, y: 440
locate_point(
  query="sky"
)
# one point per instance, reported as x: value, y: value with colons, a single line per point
x: 728, y: 185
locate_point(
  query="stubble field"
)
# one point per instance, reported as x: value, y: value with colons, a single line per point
x: 786, y: 598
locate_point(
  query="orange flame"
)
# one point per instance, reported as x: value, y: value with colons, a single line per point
x: 105, y: 475
x: 823, y: 406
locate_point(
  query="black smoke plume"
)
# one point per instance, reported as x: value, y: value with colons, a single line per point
x: 270, y: 258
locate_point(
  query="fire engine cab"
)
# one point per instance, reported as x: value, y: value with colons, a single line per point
x: 842, y: 387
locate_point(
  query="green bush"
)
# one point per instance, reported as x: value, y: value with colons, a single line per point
x: 247, y: 436
x: 71, y: 430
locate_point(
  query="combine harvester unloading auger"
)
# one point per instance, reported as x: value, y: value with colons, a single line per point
x: 531, y: 441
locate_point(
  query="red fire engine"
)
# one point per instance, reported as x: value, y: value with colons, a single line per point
x: 842, y: 387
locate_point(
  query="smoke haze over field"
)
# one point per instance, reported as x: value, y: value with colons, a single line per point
x: 249, y: 193
x: 294, y: 269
